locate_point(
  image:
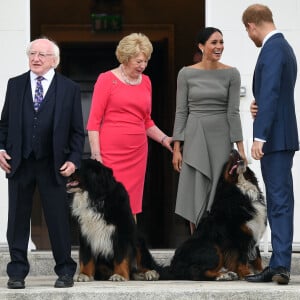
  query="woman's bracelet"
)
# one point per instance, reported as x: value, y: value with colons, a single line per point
x: 163, y: 138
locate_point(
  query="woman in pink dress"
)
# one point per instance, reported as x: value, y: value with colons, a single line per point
x: 120, y: 117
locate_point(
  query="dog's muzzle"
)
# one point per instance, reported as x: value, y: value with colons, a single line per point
x: 239, y: 166
x: 72, y: 186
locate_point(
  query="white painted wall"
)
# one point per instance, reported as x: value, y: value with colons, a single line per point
x: 241, y: 52
x: 14, y: 37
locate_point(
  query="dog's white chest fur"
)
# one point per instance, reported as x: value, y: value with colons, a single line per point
x: 93, y: 226
x: 258, y: 223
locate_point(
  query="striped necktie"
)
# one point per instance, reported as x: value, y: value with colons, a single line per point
x: 38, y: 94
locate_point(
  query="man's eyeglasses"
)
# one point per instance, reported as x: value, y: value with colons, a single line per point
x: 41, y: 55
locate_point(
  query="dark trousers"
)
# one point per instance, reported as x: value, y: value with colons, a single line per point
x: 30, y: 174
x: 277, y: 174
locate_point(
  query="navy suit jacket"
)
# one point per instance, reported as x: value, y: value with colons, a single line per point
x: 273, y: 89
x: 68, y: 132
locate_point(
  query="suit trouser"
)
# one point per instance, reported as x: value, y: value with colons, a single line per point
x: 30, y: 174
x: 277, y: 174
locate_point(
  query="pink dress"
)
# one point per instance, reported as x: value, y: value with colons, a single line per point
x: 122, y: 114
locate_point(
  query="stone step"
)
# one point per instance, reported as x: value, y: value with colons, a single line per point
x: 41, y: 288
x: 39, y: 285
x: 42, y: 262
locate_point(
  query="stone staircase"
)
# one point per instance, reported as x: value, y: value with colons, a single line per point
x: 39, y: 284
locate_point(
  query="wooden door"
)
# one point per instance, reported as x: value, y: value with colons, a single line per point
x: 84, y: 55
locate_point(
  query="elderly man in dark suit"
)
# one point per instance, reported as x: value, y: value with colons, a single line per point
x: 41, y: 144
x: 275, y: 134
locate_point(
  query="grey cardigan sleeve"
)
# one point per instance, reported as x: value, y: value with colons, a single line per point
x: 181, y: 106
x: 233, y: 109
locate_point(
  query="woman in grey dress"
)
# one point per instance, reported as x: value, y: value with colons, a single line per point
x: 207, y: 124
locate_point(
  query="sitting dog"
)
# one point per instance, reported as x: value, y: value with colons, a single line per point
x: 225, y: 243
x: 109, y: 248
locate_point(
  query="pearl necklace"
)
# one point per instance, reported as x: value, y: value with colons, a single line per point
x: 129, y: 81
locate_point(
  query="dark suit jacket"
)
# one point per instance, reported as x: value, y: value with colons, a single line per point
x: 68, y: 132
x: 273, y: 89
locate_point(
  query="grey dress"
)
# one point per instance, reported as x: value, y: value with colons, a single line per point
x: 207, y: 120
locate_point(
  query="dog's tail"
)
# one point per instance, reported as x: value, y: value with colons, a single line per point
x: 148, y: 261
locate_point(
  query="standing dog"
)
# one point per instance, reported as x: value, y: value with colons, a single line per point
x: 108, y: 245
x: 225, y: 242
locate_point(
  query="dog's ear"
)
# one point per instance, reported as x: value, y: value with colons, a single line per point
x: 250, y: 176
x: 106, y: 174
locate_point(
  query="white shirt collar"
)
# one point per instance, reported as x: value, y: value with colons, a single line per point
x: 48, y: 76
x: 271, y: 33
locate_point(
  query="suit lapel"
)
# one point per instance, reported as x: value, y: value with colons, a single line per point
x: 20, y: 97
x: 59, y: 96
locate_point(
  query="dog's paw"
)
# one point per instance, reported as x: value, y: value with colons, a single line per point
x: 228, y: 276
x: 233, y: 275
x: 117, y: 277
x: 151, y: 275
x: 84, y: 278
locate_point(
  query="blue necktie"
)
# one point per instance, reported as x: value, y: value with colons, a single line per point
x: 38, y: 94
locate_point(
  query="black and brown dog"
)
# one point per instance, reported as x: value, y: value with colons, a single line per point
x: 225, y: 243
x: 109, y: 246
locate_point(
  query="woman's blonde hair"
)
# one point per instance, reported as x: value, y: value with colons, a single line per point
x: 132, y: 45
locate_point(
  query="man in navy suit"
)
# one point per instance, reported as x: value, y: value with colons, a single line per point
x: 41, y: 145
x: 275, y: 134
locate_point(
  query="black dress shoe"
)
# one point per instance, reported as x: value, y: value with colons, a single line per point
x: 14, y: 283
x: 282, y: 276
x: 265, y: 276
x: 64, y: 281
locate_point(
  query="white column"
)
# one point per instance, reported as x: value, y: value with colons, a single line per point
x: 14, y: 37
